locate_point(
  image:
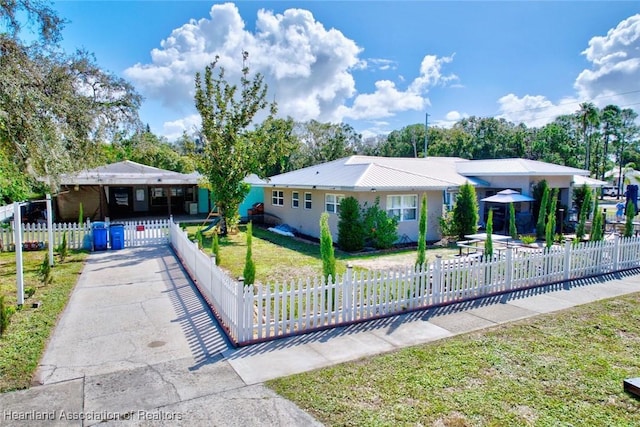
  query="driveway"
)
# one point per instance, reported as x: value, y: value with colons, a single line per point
x: 136, y: 345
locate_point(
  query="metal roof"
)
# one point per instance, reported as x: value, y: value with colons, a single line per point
x: 513, y: 167
x: 128, y: 173
x: 366, y: 173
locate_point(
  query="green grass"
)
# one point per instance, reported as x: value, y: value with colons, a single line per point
x: 563, y: 369
x: 281, y: 258
x: 22, y: 345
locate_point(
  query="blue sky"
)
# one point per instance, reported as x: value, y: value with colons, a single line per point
x: 376, y: 65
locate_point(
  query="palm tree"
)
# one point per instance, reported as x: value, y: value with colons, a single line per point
x: 610, y: 118
x: 589, y: 118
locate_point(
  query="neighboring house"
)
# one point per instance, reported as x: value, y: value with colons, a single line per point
x: 299, y: 197
x: 126, y: 189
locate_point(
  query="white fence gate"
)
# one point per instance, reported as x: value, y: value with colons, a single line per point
x: 136, y: 233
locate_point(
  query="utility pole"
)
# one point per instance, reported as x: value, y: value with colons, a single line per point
x: 426, y: 129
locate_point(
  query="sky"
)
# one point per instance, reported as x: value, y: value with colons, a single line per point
x: 376, y: 65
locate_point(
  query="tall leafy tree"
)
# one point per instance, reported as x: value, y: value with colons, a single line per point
x: 610, y: 118
x: 229, y: 155
x: 55, y: 109
x: 626, y: 138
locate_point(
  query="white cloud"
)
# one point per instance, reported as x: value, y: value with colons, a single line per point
x: 387, y: 99
x: 450, y: 119
x: 612, y: 79
x: 534, y: 111
x: 308, y: 68
x: 615, y: 67
x: 174, y: 129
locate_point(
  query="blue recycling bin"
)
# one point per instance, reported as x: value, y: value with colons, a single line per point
x: 116, y: 235
x: 99, y: 236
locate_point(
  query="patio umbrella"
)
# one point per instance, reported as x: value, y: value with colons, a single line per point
x: 508, y: 196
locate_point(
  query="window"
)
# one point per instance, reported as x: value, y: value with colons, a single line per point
x: 403, y: 207
x: 332, y: 202
x: 295, y: 199
x: 307, y: 200
x: 277, y: 197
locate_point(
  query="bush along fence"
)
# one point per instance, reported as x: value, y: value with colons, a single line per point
x: 256, y: 313
x: 35, y: 236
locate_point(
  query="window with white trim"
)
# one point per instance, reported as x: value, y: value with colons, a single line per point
x: 307, y: 200
x: 295, y: 199
x: 332, y: 202
x: 404, y: 207
x: 277, y: 197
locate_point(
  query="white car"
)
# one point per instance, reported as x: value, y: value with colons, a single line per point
x: 609, y: 191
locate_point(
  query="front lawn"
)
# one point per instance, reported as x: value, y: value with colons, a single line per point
x: 22, y: 345
x: 281, y: 258
x: 563, y: 369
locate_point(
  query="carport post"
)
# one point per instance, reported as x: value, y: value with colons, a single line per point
x: 50, y: 229
x: 17, y: 230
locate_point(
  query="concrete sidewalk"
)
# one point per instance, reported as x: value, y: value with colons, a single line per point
x: 137, y: 345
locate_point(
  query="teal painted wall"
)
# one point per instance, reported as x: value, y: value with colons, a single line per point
x: 256, y: 194
x: 203, y: 200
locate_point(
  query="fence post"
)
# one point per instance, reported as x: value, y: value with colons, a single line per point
x: 17, y: 229
x: 567, y: 260
x: 237, y: 322
x: 437, y: 280
x: 509, y: 269
x: 616, y: 252
x: 347, y: 288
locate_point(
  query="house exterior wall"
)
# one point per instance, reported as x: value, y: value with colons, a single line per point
x: 255, y: 195
x: 307, y: 221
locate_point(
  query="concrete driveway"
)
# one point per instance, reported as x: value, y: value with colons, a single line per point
x: 137, y: 345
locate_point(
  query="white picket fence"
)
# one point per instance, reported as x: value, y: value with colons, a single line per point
x: 262, y: 312
x: 136, y: 233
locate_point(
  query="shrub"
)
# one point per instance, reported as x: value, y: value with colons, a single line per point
x: 488, y: 244
x: 446, y: 225
x: 422, y: 232
x: 581, y: 195
x: 550, y: 227
x: 326, y: 248
x: 527, y: 239
x: 597, y: 232
x: 513, y: 230
x: 62, y: 248
x: 465, y: 212
x: 249, y: 272
x: 215, y: 247
x: 542, y: 213
x: 350, y: 226
x: 584, y: 214
x: 380, y: 229
x: 538, y: 192
x: 199, y: 239
x: 80, y: 215
x: 5, y: 315
x: 628, y: 225
x: 44, y: 272
x: 29, y: 292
